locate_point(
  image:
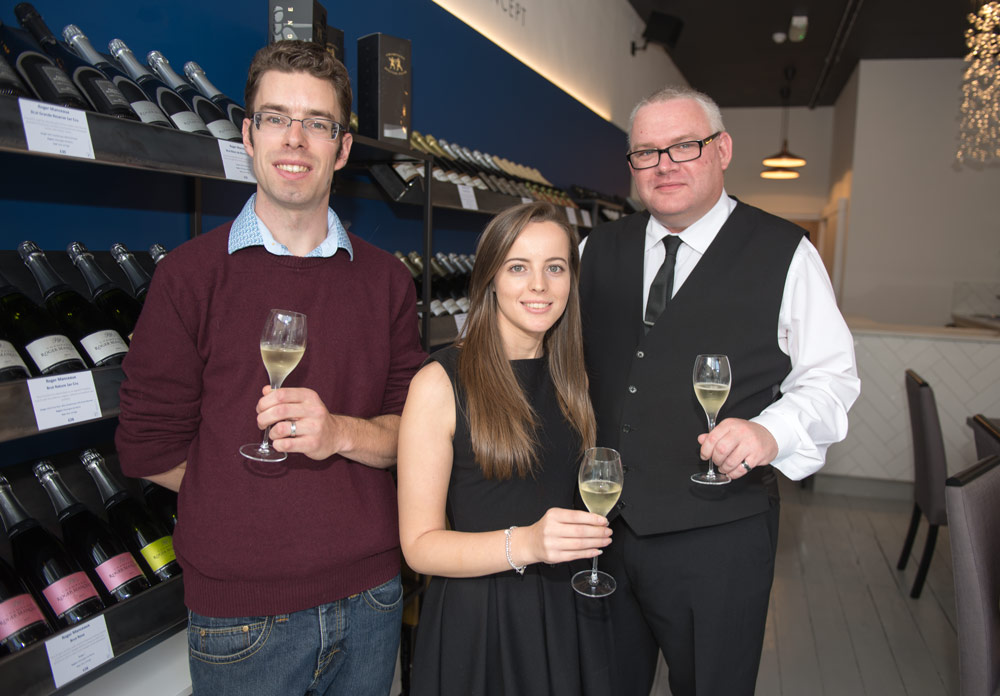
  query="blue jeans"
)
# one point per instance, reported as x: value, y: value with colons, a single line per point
x: 346, y: 647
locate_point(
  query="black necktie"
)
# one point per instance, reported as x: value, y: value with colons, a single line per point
x: 663, y: 284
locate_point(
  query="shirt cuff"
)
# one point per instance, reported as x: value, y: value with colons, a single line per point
x: 797, y: 457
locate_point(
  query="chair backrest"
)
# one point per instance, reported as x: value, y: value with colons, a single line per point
x: 973, y: 499
x: 929, y: 466
x: 987, y: 436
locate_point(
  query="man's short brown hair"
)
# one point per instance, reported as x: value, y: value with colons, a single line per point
x: 300, y: 56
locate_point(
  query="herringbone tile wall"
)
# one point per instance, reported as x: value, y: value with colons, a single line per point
x: 965, y: 376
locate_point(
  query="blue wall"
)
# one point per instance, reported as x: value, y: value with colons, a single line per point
x: 465, y: 89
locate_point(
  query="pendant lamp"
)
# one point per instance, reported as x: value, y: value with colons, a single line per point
x: 779, y: 173
x: 781, y: 165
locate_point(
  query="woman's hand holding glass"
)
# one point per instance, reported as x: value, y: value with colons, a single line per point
x: 560, y: 536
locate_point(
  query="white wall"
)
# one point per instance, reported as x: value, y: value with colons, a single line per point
x: 584, y: 46
x: 918, y: 223
x: 756, y: 135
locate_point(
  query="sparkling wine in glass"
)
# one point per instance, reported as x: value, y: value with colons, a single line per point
x: 600, y: 481
x: 282, y: 344
x: 712, y: 379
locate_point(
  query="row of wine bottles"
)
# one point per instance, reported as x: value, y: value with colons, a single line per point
x: 74, y: 74
x: 70, y: 333
x: 460, y: 165
x: 449, y: 280
x: 56, y: 583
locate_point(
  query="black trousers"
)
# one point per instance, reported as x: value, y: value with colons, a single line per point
x: 700, y: 596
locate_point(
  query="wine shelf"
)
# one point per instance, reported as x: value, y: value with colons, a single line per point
x: 124, y: 143
x: 19, y: 416
x: 133, y: 625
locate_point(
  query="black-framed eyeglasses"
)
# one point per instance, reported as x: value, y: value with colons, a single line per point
x: 680, y: 152
x: 319, y: 128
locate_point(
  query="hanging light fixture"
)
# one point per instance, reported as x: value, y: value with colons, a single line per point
x: 979, y: 130
x: 779, y: 165
x: 779, y: 173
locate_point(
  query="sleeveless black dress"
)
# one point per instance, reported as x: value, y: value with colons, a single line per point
x: 506, y: 634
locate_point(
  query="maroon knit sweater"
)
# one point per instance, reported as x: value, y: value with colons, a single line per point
x: 253, y: 538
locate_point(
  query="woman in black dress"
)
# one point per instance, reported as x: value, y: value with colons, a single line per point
x: 489, y: 445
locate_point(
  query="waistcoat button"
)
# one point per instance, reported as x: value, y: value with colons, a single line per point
x: 632, y: 389
x: 640, y: 354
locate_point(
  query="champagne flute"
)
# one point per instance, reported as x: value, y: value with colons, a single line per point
x: 600, y: 480
x: 712, y: 379
x: 282, y: 344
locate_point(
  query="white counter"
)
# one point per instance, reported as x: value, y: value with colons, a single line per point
x: 961, y: 365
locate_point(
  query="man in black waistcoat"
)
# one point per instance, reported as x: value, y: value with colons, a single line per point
x: 694, y: 563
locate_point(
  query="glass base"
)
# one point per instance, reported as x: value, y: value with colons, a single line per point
x: 605, y: 585
x: 256, y: 452
x: 710, y: 478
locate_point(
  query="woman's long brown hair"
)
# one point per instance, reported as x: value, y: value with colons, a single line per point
x: 502, y: 423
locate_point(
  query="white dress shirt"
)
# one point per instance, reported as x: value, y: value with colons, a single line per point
x: 823, y: 383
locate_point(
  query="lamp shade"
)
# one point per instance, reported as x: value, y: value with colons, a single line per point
x: 784, y: 159
x: 779, y: 173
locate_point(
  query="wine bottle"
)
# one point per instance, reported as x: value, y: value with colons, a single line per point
x: 11, y: 85
x: 415, y: 272
x: 151, y: 544
x: 21, y: 621
x: 118, y: 305
x: 466, y: 174
x: 147, y: 111
x: 457, y: 282
x: 436, y: 308
x: 461, y: 261
x: 196, y: 76
x: 136, y: 274
x: 218, y: 123
x: 12, y: 365
x: 439, y: 170
x: 92, y: 83
x: 36, y: 335
x: 46, y: 566
x: 104, y: 557
x: 501, y: 181
x: 80, y: 320
x: 456, y: 155
x: 157, y: 251
x: 162, y: 502
x: 38, y: 71
x: 168, y: 100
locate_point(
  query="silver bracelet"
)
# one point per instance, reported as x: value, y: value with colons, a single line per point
x: 518, y: 569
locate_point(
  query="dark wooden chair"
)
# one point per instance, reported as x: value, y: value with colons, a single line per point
x: 973, y: 502
x: 986, y: 434
x: 929, y: 473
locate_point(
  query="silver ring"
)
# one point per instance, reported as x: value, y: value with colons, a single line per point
x: 744, y: 462
x: 293, y: 435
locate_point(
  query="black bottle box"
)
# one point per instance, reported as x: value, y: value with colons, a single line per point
x: 384, y: 87
x: 335, y: 43
x: 296, y: 19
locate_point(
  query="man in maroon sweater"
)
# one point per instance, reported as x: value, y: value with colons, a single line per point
x: 291, y: 569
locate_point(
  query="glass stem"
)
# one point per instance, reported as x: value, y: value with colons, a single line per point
x: 711, y: 464
x: 265, y: 445
x: 593, y: 572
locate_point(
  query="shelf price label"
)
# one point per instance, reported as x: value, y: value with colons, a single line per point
x: 78, y: 650
x: 586, y: 218
x: 467, y: 195
x: 236, y: 162
x: 571, y: 214
x: 60, y: 400
x: 56, y: 130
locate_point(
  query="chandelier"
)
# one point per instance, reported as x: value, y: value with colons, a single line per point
x: 979, y: 131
